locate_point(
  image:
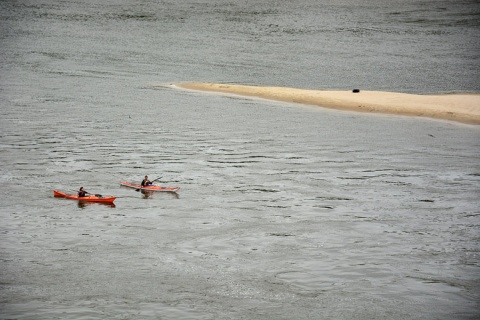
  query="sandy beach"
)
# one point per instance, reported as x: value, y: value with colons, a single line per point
x: 464, y: 108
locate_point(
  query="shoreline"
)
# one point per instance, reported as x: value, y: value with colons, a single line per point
x: 464, y: 108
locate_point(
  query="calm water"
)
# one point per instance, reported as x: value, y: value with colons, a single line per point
x: 285, y: 211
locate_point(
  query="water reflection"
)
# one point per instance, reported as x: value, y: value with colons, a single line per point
x: 84, y: 204
x: 147, y: 194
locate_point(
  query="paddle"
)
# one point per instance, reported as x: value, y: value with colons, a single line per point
x: 150, y: 181
x: 91, y: 194
x: 95, y: 194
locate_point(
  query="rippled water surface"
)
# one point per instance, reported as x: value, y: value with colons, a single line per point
x: 284, y: 211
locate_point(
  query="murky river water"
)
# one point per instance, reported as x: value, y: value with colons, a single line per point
x: 284, y: 211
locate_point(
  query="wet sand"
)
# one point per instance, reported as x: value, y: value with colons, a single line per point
x: 464, y: 108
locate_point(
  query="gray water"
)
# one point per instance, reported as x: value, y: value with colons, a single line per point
x: 285, y: 211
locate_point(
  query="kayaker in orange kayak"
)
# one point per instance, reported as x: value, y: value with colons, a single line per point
x: 146, y: 182
x: 87, y: 198
x: 82, y: 193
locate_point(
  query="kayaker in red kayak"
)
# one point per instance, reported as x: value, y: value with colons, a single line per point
x: 82, y: 193
x: 146, y: 182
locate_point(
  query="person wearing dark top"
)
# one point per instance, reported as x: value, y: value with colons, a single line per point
x: 146, y: 182
x: 82, y: 193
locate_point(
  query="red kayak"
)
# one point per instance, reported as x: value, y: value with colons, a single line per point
x: 149, y: 188
x: 89, y: 198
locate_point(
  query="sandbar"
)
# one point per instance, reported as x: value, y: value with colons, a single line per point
x: 464, y: 108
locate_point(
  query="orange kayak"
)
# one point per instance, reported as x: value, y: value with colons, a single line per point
x: 90, y: 198
x: 149, y: 188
